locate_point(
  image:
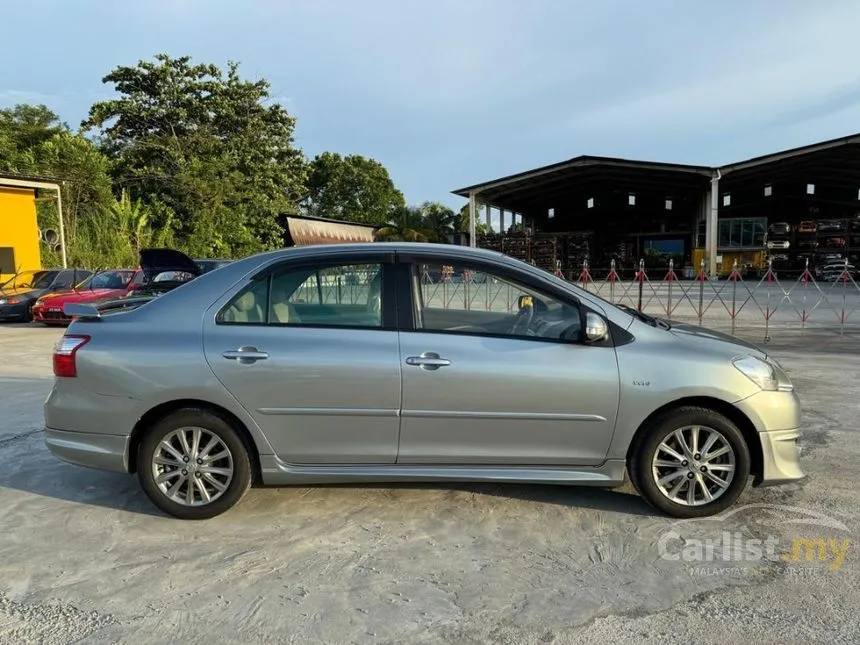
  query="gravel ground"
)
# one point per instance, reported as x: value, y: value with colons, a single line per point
x: 84, y: 557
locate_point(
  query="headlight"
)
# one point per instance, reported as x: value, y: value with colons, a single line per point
x: 767, y: 375
x: 9, y: 301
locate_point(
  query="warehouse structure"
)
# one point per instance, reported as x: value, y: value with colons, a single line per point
x: 20, y: 237
x: 792, y: 208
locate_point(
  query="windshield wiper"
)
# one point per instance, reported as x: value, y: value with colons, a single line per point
x: 646, y: 318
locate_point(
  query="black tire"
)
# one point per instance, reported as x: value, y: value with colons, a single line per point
x: 645, y: 447
x: 211, y: 423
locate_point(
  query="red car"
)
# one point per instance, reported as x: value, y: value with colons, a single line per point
x: 155, y: 265
x: 104, y: 284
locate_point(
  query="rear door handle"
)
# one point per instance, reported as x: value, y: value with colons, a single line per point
x: 428, y: 361
x: 245, y: 355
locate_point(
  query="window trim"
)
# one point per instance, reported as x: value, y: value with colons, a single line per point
x: 408, y: 315
x: 388, y: 292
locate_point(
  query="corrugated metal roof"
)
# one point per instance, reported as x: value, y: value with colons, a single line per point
x: 307, y: 231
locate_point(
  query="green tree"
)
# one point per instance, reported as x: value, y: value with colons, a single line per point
x: 351, y: 188
x: 439, y: 221
x: 461, y: 222
x: 406, y: 225
x: 23, y: 128
x: 34, y: 141
x: 205, y: 149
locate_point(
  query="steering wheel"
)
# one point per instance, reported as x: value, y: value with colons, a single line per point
x: 522, y: 321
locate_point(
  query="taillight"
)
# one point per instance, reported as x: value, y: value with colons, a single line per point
x: 64, y: 354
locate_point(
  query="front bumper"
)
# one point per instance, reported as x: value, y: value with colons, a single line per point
x: 101, y: 451
x: 776, y: 416
x: 50, y: 315
x: 17, y: 311
x: 780, y: 458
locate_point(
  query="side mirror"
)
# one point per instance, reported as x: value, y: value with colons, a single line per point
x: 595, y: 327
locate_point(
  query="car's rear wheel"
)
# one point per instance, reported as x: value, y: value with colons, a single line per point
x: 690, y: 462
x: 193, y: 464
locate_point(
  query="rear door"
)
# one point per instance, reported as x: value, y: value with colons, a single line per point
x: 486, y: 381
x: 310, y: 351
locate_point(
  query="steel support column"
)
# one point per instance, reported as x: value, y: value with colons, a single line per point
x: 473, y: 216
x: 713, y: 227
x: 489, y: 214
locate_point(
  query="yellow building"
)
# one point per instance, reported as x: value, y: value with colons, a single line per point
x: 19, y: 231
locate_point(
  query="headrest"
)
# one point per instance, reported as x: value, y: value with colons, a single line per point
x: 246, y: 302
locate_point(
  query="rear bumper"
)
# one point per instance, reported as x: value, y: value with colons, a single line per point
x: 101, y: 451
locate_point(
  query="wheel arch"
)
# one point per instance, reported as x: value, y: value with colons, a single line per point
x: 160, y: 411
x: 735, y: 415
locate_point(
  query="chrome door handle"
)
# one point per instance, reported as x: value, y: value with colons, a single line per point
x: 428, y: 361
x: 245, y: 354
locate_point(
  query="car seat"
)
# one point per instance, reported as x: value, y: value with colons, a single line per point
x: 283, y: 311
x: 245, y: 310
x: 374, y: 296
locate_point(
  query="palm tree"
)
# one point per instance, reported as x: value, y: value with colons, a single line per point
x: 439, y: 221
x: 406, y: 225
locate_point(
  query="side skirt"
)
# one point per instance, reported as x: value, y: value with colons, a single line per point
x: 279, y: 473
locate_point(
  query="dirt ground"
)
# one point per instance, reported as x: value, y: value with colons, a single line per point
x: 84, y: 556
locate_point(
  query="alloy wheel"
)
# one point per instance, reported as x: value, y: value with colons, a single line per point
x: 192, y: 466
x: 693, y: 465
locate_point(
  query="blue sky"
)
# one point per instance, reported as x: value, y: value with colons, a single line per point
x: 447, y: 93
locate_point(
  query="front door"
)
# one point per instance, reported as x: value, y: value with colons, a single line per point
x: 495, y: 373
x: 305, y: 351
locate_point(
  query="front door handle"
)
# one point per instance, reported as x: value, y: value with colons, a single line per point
x: 428, y: 361
x: 245, y: 355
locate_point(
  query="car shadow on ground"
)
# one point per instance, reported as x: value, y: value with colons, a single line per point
x: 617, y: 500
x: 117, y: 491
x: 66, y: 482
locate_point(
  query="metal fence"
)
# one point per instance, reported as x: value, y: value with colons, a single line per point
x: 732, y: 302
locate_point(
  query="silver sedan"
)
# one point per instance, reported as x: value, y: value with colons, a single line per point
x: 411, y: 362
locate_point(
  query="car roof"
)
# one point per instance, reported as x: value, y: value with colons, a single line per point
x: 357, y: 247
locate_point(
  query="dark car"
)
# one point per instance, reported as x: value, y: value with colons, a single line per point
x: 779, y: 230
x: 207, y: 265
x: 830, y: 226
x: 163, y: 270
x: 18, y: 294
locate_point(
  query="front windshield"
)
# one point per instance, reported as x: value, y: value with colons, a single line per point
x: 107, y: 280
x: 30, y: 280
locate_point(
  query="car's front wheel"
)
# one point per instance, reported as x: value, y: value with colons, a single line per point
x: 193, y: 464
x: 690, y: 462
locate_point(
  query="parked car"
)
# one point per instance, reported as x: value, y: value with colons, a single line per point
x: 830, y: 226
x: 778, y: 244
x: 227, y: 380
x: 835, y: 243
x: 207, y: 265
x: 807, y: 226
x: 18, y: 294
x: 115, y: 283
x: 48, y: 309
x: 834, y: 272
x: 163, y: 271
x: 778, y: 229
